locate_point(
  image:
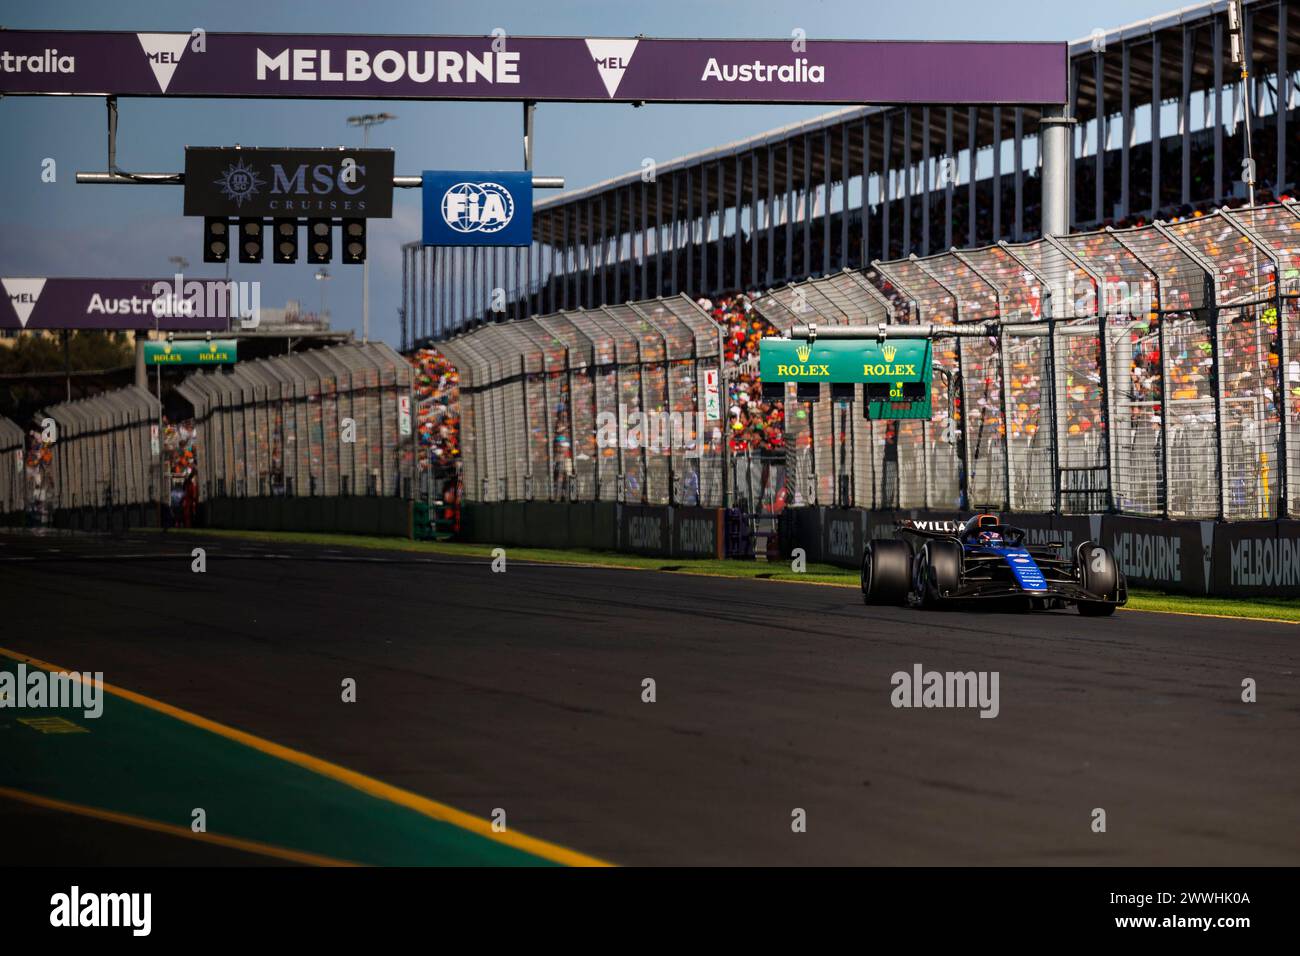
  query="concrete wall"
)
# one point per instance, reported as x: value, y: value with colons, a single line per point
x: 117, y: 518
x: 599, y: 526
x: 389, y: 517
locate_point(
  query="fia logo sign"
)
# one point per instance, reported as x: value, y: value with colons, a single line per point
x: 477, y: 207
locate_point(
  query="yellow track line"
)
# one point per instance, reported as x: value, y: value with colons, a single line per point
x: 1224, y: 617
x: 143, y: 823
x: 358, y: 781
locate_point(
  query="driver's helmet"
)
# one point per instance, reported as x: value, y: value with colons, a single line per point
x: 990, y: 538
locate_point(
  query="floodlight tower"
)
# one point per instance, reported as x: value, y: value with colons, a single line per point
x: 365, y: 121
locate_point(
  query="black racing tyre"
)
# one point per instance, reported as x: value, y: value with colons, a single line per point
x: 1099, y: 575
x: 886, y: 571
x: 1096, y: 609
x: 939, y: 570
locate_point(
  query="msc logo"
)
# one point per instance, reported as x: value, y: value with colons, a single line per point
x: 477, y: 207
x: 804, y: 352
x: 889, y: 352
x: 239, y: 182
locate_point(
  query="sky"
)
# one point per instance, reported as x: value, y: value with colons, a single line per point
x: 63, y: 229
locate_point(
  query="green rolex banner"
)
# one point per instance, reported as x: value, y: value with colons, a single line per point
x: 895, y: 374
x: 192, y: 352
x: 844, y: 360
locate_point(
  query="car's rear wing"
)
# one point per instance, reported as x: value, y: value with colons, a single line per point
x: 953, y: 528
x: 930, y: 527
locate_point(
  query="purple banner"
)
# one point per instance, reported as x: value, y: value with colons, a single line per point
x: 599, y: 69
x: 193, y: 305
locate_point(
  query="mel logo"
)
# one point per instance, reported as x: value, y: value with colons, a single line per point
x: 23, y: 294
x: 611, y: 57
x: 164, y: 51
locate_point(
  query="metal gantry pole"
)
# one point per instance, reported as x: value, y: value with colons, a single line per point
x: 972, y: 154
x: 949, y: 177
x: 925, y: 180
x: 864, y: 201
x: 1054, y: 135
x: 907, y: 181
x: 753, y: 222
x: 1156, y: 150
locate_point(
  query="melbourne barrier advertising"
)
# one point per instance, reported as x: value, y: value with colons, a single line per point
x: 1170, y: 555
x: 171, y: 305
x: 1257, y: 558
x: 645, y: 530
x: 503, y: 67
x: 288, y: 183
x: 464, y: 208
x: 698, y: 532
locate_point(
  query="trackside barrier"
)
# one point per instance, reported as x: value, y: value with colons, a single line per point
x: 333, y: 422
x: 651, y: 530
x: 1151, y: 372
x: 618, y: 404
x: 317, y: 441
x: 104, y: 464
x: 1241, y: 559
x: 13, y: 486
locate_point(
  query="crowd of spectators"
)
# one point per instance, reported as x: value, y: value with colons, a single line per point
x: 754, y: 423
x: 178, y: 447
x: 437, y: 405
x: 38, y: 469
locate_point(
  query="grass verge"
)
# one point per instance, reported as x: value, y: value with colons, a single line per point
x: 1271, y: 609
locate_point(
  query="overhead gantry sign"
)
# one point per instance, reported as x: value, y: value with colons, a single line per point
x: 893, y: 364
x: 538, y: 69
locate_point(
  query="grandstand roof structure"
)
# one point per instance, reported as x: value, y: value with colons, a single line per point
x: 1127, y: 56
x: 856, y: 185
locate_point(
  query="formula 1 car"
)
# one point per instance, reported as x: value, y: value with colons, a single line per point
x: 984, y: 560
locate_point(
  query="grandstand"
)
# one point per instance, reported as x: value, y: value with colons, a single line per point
x: 861, y: 184
x: 1152, y: 371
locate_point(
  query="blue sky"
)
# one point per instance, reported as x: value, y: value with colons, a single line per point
x: 65, y: 229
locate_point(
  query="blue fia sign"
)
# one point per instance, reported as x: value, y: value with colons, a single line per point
x: 478, y: 208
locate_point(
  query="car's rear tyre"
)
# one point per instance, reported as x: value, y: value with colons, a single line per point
x: 886, y: 571
x: 939, y: 571
x: 1099, y: 575
x: 1096, y: 609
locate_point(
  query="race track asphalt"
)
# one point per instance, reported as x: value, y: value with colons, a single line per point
x: 523, y: 691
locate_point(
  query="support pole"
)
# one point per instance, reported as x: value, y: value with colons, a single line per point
x: 1054, y: 133
x: 530, y: 110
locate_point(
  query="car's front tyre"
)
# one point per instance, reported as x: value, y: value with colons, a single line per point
x: 939, y: 571
x: 1098, y: 575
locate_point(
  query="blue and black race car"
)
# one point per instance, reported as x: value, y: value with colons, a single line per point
x: 984, y: 560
